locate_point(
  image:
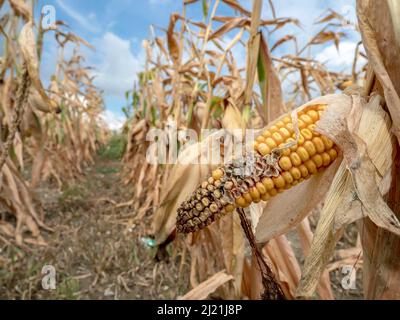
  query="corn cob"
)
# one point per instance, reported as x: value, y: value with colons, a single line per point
x: 275, y: 169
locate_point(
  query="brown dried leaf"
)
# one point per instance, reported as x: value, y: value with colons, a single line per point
x: 204, y: 289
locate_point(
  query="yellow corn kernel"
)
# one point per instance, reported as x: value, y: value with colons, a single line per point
x: 268, y: 183
x: 263, y: 149
x: 260, y: 139
x: 317, y: 159
x: 261, y: 189
x: 319, y: 144
x: 307, y: 134
x: 273, y: 192
x: 229, y: 208
x: 295, y: 172
x: 311, y: 167
x: 326, y: 159
x: 301, y: 139
x: 309, y: 146
x: 303, y: 154
x: 313, y: 115
x: 241, y: 202
x: 306, y: 119
x: 273, y: 129
x: 280, y: 124
x: 301, y: 124
x: 266, y: 134
x: 279, y: 182
x: 304, y: 171
x: 255, y: 195
x: 333, y: 154
x: 285, y: 151
x: 285, y: 163
x: 271, y: 143
x: 287, y: 177
x: 284, y: 133
x: 247, y: 197
x: 327, y: 142
x: 217, y: 174
x: 287, y: 119
x: 265, y: 196
x: 277, y: 137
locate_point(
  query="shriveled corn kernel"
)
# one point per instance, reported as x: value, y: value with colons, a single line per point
x: 280, y: 190
x: 261, y: 188
x: 303, y: 154
x: 288, y: 177
x: 285, y: 163
x: 279, y: 182
x: 319, y: 144
x: 321, y: 107
x: 317, y: 159
x: 268, y: 183
x: 309, y: 146
x: 295, y: 172
x: 229, y: 208
x: 311, y: 167
x: 271, y: 143
x: 327, y: 142
x: 326, y: 159
x: 263, y: 149
x: 255, y: 145
x: 304, y: 171
x: 217, y: 174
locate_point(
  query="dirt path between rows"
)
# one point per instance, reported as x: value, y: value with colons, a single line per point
x: 97, y: 249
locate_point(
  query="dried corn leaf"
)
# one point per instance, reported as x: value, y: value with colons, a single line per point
x: 204, y: 289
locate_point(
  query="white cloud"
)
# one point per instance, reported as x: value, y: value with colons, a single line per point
x: 116, y: 65
x: 112, y: 120
x: 340, y: 60
x: 88, y: 22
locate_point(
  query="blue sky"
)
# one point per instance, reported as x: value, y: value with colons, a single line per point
x: 117, y: 28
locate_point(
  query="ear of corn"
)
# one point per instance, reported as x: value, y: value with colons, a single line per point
x: 276, y: 169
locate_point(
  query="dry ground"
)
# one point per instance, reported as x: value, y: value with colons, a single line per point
x: 96, y: 248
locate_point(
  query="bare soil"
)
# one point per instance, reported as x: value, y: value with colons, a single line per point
x: 96, y: 248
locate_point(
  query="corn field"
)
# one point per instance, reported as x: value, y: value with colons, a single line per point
x: 246, y: 167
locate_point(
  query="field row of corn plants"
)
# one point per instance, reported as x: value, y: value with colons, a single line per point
x: 47, y: 134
